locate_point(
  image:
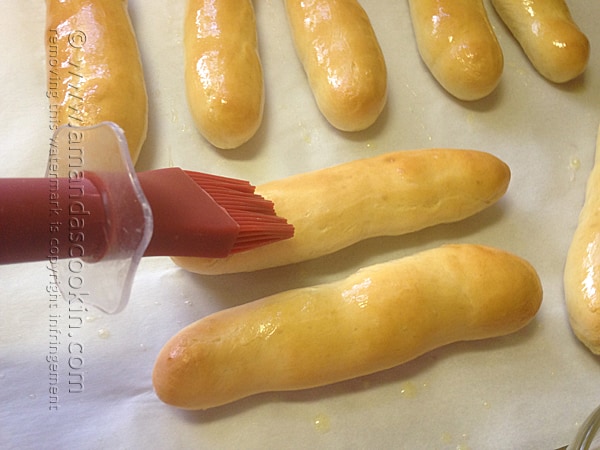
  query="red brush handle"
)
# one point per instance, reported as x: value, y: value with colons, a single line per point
x: 50, y: 218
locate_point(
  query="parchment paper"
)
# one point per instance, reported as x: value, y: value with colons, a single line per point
x: 529, y: 390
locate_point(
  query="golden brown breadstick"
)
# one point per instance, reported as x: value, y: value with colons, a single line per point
x: 95, y: 71
x: 457, y: 44
x: 223, y: 71
x: 380, y: 317
x: 582, y: 268
x: 548, y: 35
x: 342, y: 59
x: 386, y: 195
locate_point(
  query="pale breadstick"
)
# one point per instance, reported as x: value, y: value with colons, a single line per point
x: 458, y: 45
x: 582, y: 267
x: 548, y: 35
x: 342, y: 59
x: 223, y: 71
x: 386, y: 195
x: 94, y: 68
x: 380, y: 317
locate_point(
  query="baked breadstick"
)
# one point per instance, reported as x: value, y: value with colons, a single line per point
x: 223, y: 71
x: 582, y: 267
x: 380, y: 317
x: 95, y: 71
x: 457, y: 44
x: 387, y: 195
x: 342, y: 59
x: 548, y: 35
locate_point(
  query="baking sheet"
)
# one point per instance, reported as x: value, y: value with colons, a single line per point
x: 529, y: 390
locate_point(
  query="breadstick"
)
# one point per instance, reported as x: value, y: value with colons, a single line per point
x: 342, y: 59
x: 386, y: 195
x: 548, y: 35
x: 94, y: 68
x: 457, y: 44
x: 223, y: 71
x: 380, y: 317
x: 582, y: 267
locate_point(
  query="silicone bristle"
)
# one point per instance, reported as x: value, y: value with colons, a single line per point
x: 255, y: 215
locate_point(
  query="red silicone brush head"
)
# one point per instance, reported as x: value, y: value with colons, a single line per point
x: 256, y: 217
x: 197, y: 214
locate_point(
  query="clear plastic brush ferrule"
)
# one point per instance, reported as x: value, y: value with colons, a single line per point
x: 87, y: 158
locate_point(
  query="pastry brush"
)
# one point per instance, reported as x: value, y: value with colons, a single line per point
x: 193, y: 214
x: 93, y: 217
